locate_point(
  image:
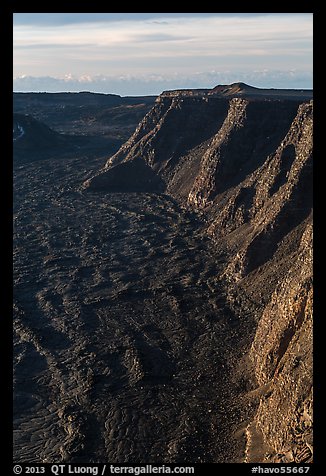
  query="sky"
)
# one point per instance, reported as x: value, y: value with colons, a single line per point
x: 146, y: 53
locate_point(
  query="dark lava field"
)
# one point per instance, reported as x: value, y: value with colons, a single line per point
x: 125, y: 350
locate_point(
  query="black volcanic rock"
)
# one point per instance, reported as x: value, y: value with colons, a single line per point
x: 34, y: 140
x: 85, y: 113
x: 30, y: 132
x: 61, y: 124
x: 132, y: 176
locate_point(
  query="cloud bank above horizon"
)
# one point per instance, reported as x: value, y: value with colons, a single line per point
x: 137, y: 54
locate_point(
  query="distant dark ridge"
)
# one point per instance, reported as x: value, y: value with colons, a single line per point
x: 242, y: 90
x: 84, y: 98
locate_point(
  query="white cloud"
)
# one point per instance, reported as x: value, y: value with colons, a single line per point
x: 155, y: 83
x: 163, y: 45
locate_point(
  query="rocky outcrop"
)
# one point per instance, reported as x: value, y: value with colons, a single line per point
x: 257, y: 213
x: 171, y: 140
x: 242, y: 158
x: 282, y: 356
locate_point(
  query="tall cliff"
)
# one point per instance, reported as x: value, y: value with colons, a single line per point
x: 242, y: 158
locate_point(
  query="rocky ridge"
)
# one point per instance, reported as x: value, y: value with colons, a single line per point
x: 242, y: 159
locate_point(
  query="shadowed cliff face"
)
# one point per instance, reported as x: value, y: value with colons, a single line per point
x: 242, y: 160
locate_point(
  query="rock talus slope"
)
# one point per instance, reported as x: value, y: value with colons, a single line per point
x: 242, y: 158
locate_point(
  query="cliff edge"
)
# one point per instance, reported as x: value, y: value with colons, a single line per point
x: 241, y: 157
